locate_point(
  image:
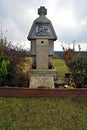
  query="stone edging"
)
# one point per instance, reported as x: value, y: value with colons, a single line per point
x: 26, y: 92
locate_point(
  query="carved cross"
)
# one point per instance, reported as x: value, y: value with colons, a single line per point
x: 42, y: 10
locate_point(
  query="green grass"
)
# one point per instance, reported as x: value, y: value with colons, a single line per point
x: 61, y: 67
x: 43, y: 114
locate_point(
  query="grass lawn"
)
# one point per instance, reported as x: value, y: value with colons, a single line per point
x: 43, y: 114
x: 61, y: 67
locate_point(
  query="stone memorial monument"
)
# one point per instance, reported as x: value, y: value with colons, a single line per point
x: 42, y: 37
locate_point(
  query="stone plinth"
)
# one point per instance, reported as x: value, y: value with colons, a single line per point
x: 46, y: 72
x: 41, y: 82
x: 42, y: 78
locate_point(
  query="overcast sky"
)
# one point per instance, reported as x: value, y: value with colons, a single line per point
x: 69, y: 19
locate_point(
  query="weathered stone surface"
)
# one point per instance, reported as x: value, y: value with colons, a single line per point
x: 41, y: 82
x: 51, y: 47
x: 42, y: 36
x: 36, y: 72
x: 33, y: 47
x: 42, y: 27
x: 42, y: 11
x: 41, y: 54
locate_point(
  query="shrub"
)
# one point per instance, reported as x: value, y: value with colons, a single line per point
x: 78, y: 66
x: 3, y: 71
x: 68, y: 55
x: 10, y: 58
x: 21, y: 80
x: 3, y: 68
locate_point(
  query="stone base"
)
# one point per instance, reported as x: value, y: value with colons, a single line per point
x: 42, y: 78
x: 41, y: 82
x: 44, y: 72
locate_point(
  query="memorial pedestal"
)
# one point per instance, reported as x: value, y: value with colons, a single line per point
x: 42, y: 36
x: 42, y: 78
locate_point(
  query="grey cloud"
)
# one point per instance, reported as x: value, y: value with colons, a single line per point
x: 17, y: 17
x: 80, y: 8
